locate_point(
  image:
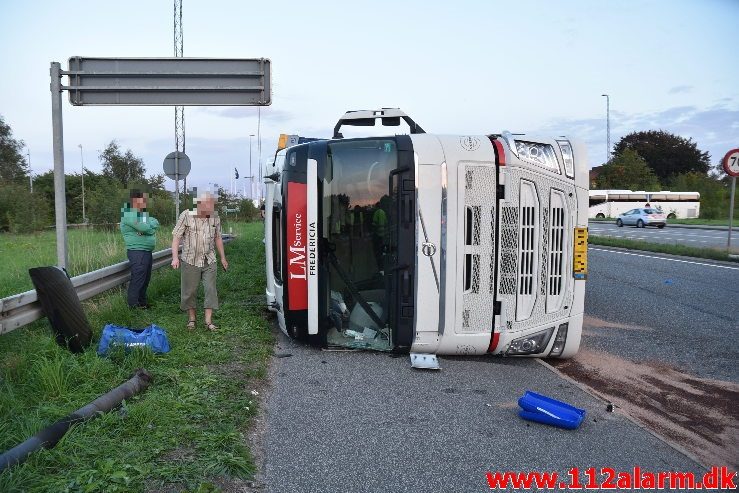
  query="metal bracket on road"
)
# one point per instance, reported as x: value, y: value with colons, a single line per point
x: 425, y: 361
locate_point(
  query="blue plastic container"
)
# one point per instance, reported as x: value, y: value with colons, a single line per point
x: 543, y: 409
x: 153, y: 337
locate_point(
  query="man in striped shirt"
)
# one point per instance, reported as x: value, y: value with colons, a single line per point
x: 200, y: 230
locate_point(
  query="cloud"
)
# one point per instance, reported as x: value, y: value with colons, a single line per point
x: 268, y: 114
x: 680, y: 89
x: 713, y: 129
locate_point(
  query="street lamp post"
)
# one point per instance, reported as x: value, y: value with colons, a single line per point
x: 30, y: 171
x: 608, y: 127
x: 82, y: 162
x: 251, y: 177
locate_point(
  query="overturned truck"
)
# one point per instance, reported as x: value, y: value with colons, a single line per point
x: 426, y: 243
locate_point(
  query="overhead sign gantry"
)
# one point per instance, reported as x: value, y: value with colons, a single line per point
x: 149, y: 82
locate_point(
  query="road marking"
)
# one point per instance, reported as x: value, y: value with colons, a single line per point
x: 665, y: 258
x: 662, y: 239
x: 664, y: 232
x: 661, y: 232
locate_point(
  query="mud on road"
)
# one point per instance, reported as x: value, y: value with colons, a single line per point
x: 699, y: 416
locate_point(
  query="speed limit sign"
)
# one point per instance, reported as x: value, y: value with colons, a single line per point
x: 731, y: 162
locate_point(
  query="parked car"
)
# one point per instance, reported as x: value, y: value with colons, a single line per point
x: 642, y: 217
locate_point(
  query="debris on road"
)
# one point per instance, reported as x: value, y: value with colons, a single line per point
x: 543, y: 409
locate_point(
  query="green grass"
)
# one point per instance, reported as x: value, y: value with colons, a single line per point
x: 702, y: 222
x: 88, y: 249
x: 186, y: 432
x: 708, y: 253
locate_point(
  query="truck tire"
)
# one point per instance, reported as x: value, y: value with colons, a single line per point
x: 62, y: 307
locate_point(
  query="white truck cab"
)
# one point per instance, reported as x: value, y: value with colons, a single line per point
x: 442, y: 244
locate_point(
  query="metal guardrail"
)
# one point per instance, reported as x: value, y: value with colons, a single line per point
x: 22, y: 309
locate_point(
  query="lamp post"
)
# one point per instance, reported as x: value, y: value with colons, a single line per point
x: 30, y: 172
x: 82, y: 162
x: 251, y: 177
x: 608, y: 127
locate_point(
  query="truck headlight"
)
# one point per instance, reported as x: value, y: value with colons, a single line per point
x: 568, y: 156
x: 559, y: 340
x: 530, y: 344
x: 539, y: 154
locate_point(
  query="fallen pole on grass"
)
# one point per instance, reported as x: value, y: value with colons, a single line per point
x: 50, y: 436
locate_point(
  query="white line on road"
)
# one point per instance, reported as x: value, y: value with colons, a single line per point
x: 647, y: 238
x: 662, y: 232
x: 665, y: 258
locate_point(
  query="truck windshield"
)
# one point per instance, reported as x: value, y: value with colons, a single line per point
x: 358, y: 218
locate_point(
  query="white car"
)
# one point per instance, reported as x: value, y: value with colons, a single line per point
x: 642, y: 217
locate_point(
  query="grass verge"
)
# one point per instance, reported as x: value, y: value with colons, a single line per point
x: 186, y: 432
x: 700, y: 222
x: 708, y: 253
x: 88, y: 249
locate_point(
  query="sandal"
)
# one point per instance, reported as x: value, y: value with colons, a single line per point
x: 191, y: 324
x: 211, y: 326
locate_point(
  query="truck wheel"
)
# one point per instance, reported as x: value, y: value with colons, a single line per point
x: 62, y: 307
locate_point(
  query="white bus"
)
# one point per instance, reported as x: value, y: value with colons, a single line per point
x: 611, y: 203
x: 434, y: 244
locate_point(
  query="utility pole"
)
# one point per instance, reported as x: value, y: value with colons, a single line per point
x: 608, y: 127
x: 179, y: 111
x: 251, y: 176
x: 82, y: 161
x: 259, y: 151
x: 30, y: 171
x: 57, y: 128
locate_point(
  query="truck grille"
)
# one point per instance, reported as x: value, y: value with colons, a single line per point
x: 534, y: 284
x: 556, y: 236
x: 508, y: 249
x: 478, y: 243
x: 528, y: 266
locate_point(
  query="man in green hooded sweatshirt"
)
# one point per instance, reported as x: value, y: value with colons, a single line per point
x: 139, y: 234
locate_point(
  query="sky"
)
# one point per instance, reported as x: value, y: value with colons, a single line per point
x: 456, y: 67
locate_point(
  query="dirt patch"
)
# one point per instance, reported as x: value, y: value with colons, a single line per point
x: 590, y: 323
x: 698, y: 415
x: 179, y: 454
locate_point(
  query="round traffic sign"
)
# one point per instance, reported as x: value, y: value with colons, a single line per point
x: 174, y: 159
x: 731, y: 162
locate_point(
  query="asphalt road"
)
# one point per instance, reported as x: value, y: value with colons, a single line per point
x: 657, y: 343
x: 681, y: 312
x: 701, y: 238
x: 360, y: 421
x: 367, y: 422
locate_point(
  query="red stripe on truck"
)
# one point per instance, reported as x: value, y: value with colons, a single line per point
x: 494, y: 342
x: 499, y: 153
x: 297, y: 240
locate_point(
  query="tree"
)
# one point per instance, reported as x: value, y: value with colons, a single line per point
x: 714, y: 193
x: 22, y: 211
x: 667, y: 154
x: 124, y: 168
x: 13, y: 166
x: 627, y: 171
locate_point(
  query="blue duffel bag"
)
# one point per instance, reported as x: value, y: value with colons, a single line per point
x: 153, y: 337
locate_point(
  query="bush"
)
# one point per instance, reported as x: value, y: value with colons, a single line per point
x: 22, y: 211
x: 714, y: 193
